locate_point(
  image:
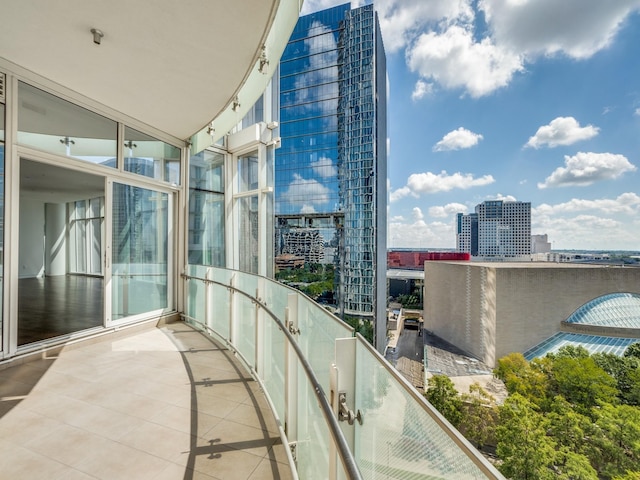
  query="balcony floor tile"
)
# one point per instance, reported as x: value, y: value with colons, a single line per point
x: 163, y: 403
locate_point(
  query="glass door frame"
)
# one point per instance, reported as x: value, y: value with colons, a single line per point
x: 172, y: 257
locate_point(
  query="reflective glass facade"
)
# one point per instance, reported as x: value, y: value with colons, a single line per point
x: 330, y: 174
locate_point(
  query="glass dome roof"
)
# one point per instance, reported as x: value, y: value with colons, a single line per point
x: 621, y: 310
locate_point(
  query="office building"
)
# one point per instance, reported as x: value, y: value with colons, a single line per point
x: 140, y: 334
x: 540, y: 244
x: 497, y: 230
x: 331, y: 170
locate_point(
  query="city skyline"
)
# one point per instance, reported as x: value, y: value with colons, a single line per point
x: 534, y: 101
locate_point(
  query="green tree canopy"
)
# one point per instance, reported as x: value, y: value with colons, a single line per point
x: 582, y: 382
x: 527, y: 453
x: 442, y: 394
x: 479, y: 414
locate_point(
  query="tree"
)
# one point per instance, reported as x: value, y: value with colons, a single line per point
x: 629, y: 475
x: 566, y: 426
x: 522, y: 377
x: 442, y: 394
x: 573, y: 466
x: 582, y: 382
x: 526, y: 451
x: 617, y: 442
x: 633, y: 350
x: 571, y: 351
x: 626, y: 371
x: 479, y: 415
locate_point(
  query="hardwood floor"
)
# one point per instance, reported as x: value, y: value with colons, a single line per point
x: 53, y: 306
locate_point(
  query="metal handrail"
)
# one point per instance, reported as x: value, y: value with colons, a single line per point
x: 348, y: 462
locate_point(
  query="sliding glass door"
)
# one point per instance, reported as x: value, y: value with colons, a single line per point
x: 141, y: 249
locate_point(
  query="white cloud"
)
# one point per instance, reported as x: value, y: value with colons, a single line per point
x: 402, y: 20
x: 637, y: 112
x: 504, y: 198
x: 307, y: 209
x: 627, y: 203
x: 417, y: 214
x: 561, y: 131
x: 458, y: 139
x: 587, y: 232
x: 431, y: 183
x: 397, y: 218
x: 584, y: 169
x: 422, y: 89
x: 447, y: 210
x: 302, y: 192
x: 576, y: 28
x: 324, y: 167
x: 455, y: 60
x: 420, y: 234
x: 321, y: 49
x: 311, y: 6
x: 401, y: 192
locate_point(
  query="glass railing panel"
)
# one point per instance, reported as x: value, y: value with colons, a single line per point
x: 318, y: 332
x: 276, y: 297
x: 247, y: 282
x: 272, y: 364
x: 312, y: 449
x: 244, y: 334
x: 195, y: 305
x: 220, y: 310
x: 221, y: 275
x: 399, y: 438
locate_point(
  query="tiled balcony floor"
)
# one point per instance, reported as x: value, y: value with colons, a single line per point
x: 161, y: 403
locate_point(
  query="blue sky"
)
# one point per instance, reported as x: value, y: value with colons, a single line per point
x: 529, y: 100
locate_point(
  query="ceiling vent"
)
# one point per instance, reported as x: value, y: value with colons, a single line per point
x: 2, y: 80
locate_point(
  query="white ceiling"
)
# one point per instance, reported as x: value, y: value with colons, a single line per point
x: 171, y: 64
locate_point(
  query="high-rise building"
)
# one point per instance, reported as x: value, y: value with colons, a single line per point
x: 497, y: 229
x: 331, y: 170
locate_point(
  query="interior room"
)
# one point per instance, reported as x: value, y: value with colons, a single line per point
x: 61, y: 283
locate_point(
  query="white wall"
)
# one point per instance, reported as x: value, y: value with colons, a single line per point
x: 31, y: 256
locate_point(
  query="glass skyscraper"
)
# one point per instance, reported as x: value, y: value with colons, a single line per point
x: 331, y: 170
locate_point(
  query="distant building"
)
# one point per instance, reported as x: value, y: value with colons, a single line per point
x: 497, y: 229
x: 491, y: 309
x: 540, y: 244
x: 412, y: 259
x: 304, y: 242
x: 289, y: 262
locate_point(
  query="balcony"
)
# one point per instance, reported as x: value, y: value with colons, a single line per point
x: 258, y: 382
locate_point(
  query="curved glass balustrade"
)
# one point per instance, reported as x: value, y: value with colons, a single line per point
x: 307, y: 359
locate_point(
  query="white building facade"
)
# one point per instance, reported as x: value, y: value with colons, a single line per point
x: 496, y: 230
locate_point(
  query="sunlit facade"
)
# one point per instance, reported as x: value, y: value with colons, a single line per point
x: 331, y: 168
x: 498, y: 229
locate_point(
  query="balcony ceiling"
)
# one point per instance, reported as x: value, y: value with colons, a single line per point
x: 174, y: 65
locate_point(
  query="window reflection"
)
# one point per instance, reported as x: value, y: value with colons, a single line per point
x: 150, y: 157
x: 51, y: 124
x: 206, y: 209
x: 248, y: 172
